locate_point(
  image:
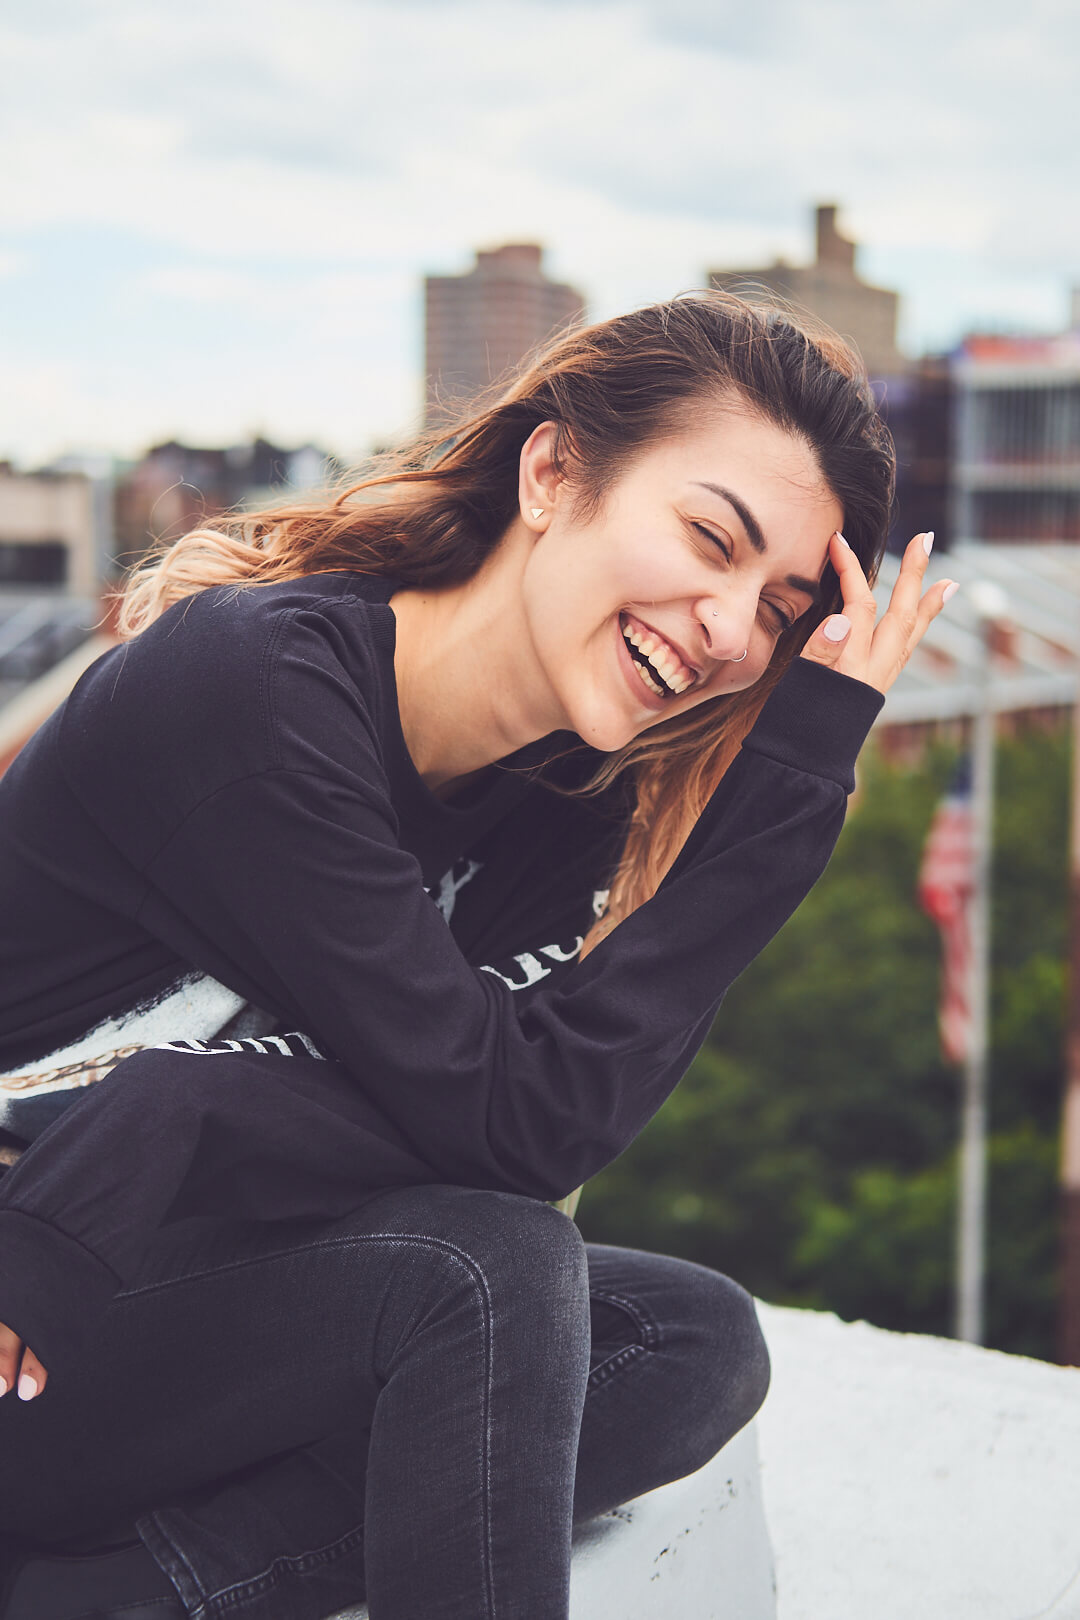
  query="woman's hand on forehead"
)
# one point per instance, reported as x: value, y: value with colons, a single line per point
x: 854, y: 642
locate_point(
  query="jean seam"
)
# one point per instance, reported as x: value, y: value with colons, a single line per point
x: 605, y: 1372
x: 480, y: 1286
x: 229, y: 1599
x: 178, y: 1553
x: 647, y: 1326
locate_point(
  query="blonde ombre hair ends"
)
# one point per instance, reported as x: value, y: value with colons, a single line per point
x: 433, y: 511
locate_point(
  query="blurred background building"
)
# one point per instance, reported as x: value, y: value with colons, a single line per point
x: 67, y: 531
x: 478, y: 325
x: 831, y: 289
x: 55, y: 535
x: 1016, y: 471
x: 175, y: 487
x: 915, y: 397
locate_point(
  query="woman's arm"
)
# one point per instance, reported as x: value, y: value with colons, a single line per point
x: 339, y: 936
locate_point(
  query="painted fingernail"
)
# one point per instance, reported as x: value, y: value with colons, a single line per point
x: 842, y: 541
x: 4, y: 1386
x: 837, y: 627
x: 950, y: 590
x: 27, y: 1387
x: 928, y: 541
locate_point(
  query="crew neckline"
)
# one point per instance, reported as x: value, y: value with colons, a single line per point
x: 511, y: 776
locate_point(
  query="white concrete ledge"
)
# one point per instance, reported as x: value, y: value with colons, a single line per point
x: 694, y: 1550
x: 913, y: 1478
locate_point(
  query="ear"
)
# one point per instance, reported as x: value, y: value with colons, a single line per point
x: 538, y: 481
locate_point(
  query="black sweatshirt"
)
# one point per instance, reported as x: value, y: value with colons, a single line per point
x: 230, y: 795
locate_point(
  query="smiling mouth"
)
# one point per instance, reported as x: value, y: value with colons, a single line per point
x: 661, y: 669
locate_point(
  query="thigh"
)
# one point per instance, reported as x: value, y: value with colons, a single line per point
x: 239, y: 1342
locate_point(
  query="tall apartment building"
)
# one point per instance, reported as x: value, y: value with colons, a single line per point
x: 1016, y: 472
x: 831, y: 289
x: 480, y: 324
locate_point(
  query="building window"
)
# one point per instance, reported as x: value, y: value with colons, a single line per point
x: 36, y: 562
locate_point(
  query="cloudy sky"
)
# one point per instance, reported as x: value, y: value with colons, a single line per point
x: 215, y: 216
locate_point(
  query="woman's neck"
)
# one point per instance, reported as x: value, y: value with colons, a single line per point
x: 469, y: 687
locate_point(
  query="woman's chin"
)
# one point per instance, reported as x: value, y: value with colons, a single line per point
x: 608, y: 730
x: 604, y: 731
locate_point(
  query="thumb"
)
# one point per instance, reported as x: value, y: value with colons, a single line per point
x: 828, y: 640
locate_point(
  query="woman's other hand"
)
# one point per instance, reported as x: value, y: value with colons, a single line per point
x: 876, y: 652
x: 31, y: 1375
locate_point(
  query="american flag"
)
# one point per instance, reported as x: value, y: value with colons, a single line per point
x: 946, y: 888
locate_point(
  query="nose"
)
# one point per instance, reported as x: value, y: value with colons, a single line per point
x: 728, y: 622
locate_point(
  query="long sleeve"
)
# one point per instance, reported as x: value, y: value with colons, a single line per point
x: 534, y: 1098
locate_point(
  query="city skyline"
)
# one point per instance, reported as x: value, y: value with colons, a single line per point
x: 218, y: 223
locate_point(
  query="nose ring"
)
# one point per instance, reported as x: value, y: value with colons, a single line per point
x: 745, y: 650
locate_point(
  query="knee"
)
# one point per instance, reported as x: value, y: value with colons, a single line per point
x: 731, y: 1369
x: 527, y: 1258
x: 524, y: 1248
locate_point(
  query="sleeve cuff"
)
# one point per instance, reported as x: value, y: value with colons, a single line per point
x: 53, y: 1292
x: 816, y: 720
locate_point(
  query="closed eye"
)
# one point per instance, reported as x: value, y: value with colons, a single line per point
x: 713, y: 538
x: 784, y: 620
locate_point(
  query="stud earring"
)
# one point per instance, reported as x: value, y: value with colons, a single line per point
x: 537, y: 511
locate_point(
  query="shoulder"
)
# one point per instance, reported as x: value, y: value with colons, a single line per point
x: 232, y: 682
x: 230, y: 629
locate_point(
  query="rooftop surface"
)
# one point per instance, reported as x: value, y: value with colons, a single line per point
x: 912, y: 1478
x: 1040, y: 585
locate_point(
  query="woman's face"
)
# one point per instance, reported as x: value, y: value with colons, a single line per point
x: 712, y: 542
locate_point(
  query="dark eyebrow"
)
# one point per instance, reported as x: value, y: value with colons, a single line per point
x: 810, y: 587
x: 746, y: 517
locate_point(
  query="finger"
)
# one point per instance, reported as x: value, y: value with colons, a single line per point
x: 930, y: 605
x: 828, y: 641
x: 10, y: 1349
x: 885, y: 666
x: 860, y: 606
x: 893, y: 636
x: 32, y: 1376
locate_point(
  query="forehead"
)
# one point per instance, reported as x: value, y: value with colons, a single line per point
x: 735, y: 448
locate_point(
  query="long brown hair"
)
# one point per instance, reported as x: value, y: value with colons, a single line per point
x: 432, y: 512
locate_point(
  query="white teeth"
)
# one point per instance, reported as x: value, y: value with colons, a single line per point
x: 653, y: 686
x: 662, y: 659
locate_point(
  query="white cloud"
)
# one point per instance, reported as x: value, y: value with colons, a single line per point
x: 13, y: 263
x: 303, y: 162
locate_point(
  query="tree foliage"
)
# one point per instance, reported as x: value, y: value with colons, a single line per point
x: 811, y: 1150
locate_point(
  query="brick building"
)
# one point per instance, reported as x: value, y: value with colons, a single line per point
x: 480, y: 324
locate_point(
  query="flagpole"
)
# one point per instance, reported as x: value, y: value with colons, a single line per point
x: 1069, y: 1318
x: 989, y: 603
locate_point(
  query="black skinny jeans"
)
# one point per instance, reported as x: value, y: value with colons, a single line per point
x: 410, y: 1404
